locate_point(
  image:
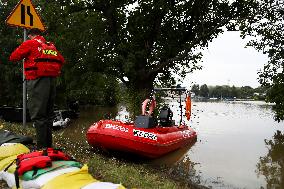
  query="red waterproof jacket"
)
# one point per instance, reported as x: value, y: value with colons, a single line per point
x: 31, y: 50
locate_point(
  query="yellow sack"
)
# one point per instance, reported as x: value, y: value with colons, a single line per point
x: 73, y: 180
x: 99, y: 185
x: 7, y: 161
x: 10, y: 150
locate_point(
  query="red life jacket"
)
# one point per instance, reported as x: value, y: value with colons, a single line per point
x: 27, y: 162
x: 32, y: 163
x: 56, y: 154
x: 53, y: 154
x: 36, y: 160
x: 40, y: 58
x: 50, y: 61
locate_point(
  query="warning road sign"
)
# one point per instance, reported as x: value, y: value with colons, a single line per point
x: 25, y: 15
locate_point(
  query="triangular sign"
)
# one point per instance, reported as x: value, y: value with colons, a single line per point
x: 25, y: 15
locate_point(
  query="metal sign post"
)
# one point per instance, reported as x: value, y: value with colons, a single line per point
x: 24, y: 89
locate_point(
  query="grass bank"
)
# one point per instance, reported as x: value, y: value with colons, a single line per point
x: 109, y: 168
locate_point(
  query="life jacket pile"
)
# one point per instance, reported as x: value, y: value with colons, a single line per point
x: 37, y: 160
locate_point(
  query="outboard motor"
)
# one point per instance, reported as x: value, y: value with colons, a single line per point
x: 166, y: 116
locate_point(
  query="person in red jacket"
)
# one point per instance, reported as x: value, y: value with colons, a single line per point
x: 42, y: 64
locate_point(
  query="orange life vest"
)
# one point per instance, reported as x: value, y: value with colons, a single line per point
x: 188, y: 107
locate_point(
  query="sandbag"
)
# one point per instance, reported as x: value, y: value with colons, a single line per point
x: 6, y: 162
x: 9, y: 178
x: 44, y: 178
x: 10, y: 150
x: 29, y: 175
x: 8, y: 144
x: 36, y: 183
x: 104, y: 185
x: 61, y: 178
x: 74, y: 180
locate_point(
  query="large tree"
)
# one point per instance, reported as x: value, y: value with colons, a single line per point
x: 139, y: 41
x: 265, y: 29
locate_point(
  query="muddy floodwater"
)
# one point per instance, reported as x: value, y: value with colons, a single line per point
x: 231, y: 145
x: 235, y: 146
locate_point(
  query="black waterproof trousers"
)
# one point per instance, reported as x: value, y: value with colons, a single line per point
x: 41, y: 96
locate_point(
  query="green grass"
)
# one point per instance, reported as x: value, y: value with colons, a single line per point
x: 130, y: 175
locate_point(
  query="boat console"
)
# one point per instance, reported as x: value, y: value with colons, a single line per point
x: 144, y: 121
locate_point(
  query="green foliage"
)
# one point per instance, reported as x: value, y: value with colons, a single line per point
x: 204, y: 91
x: 235, y: 92
x: 83, y: 78
x: 11, y: 74
x: 246, y: 92
x: 227, y: 92
x: 265, y: 28
x: 137, y: 42
x: 276, y: 95
x: 195, y: 89
x: 141, y: 40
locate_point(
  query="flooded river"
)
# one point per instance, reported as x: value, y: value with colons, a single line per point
x: 235, y: 146
x: 231, y: 144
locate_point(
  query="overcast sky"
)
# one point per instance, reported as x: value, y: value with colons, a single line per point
x: 228, y: 62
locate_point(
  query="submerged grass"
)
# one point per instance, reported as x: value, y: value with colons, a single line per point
x: 108, y: 168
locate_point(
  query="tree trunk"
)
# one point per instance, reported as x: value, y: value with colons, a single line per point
x: 139, y: 90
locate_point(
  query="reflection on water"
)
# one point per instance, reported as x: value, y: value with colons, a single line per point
x: 173, y: 157
x: 237, y: 146
x: 272, y: 165
x: 230, y: 142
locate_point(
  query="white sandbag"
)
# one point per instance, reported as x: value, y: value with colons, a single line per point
x: 104, y: 185
x: 8, y: 144
x: 9, y: 178
x: 41, y: 180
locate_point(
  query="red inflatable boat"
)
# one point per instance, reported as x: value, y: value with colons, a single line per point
x: 147, y: 136
x: 148, y: 142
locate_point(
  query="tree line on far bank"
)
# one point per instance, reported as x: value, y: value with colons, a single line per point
x: 229, y: 92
